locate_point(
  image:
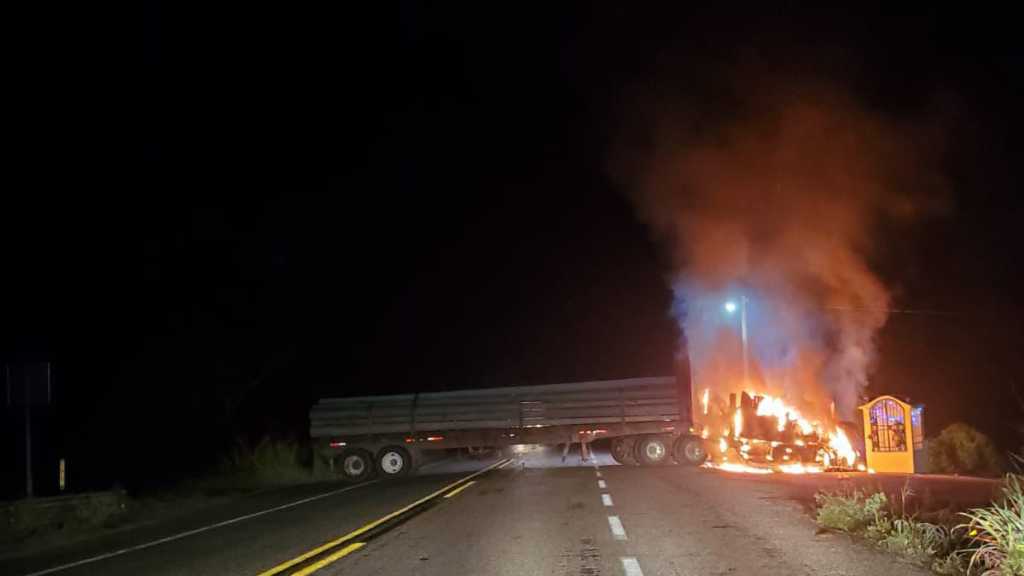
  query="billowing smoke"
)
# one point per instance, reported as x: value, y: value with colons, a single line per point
x: 774, y: 210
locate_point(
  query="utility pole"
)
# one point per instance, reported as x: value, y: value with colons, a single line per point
x: 28, y: 443
x: 32, y: 383
x: 743, y: 335
x: 730, y: 308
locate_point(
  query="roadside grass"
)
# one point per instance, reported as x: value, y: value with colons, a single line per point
x: 29, y: 518
x: 851, y: 512
x: 919, y: 541
x: 990, y: 543
x: 246, y: 469
x: 998, y: 532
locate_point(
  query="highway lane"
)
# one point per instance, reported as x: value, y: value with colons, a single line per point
x: 251, y: 545
x: 544, y: 518
x: 536, y: 516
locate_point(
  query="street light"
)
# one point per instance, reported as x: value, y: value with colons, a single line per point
x: 730, y: 307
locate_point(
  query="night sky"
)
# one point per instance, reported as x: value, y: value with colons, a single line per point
x: 423, y: 200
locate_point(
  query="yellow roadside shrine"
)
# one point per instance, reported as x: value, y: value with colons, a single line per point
x: 893, y: 435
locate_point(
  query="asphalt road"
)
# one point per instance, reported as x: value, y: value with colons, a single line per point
x: 545, y: 519
x: 248, y: 546
x: 535, y: 515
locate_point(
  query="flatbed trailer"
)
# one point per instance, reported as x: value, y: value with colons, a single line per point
x: 647, y: 419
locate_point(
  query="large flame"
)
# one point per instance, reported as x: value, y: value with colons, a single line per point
x: 798, y: 445
x: 775, y: 407
x: 840, y: 444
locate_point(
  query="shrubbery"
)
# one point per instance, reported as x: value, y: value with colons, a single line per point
x: 960, y: 449
x: 990, y: 543
x: 851, y: 512
x: 265, y: 464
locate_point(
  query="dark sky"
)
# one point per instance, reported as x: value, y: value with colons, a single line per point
x: 421, y: 200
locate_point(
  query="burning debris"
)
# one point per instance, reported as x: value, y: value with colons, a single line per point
x: 761, y: 433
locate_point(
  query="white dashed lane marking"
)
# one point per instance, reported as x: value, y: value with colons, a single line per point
x: 618, y: 532
x: 631, y: 567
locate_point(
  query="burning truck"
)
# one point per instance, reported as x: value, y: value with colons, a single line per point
x: 761, y: 433
x: 646, y: 421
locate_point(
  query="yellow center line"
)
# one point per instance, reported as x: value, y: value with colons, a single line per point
x: 460, y: 489
x: 332, y: 558
x: 358, y: 531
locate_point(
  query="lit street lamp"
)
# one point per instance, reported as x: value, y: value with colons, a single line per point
x: 730, y: 307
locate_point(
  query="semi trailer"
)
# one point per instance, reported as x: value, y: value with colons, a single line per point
x: 647, y: 420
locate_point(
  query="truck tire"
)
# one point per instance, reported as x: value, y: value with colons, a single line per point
x: 393, y: 462
x: 654, y: 450
x: 690, y: 450
x: 355, y: 464
x: 622, y: 450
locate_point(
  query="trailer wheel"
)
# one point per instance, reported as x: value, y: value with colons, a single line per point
x: 622, y: 450
x: 690, y: 450
x: 356, y: 464
x: 393, y: 461
x: 653, y: 450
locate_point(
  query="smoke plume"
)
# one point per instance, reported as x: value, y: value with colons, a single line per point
x: 774, y: 208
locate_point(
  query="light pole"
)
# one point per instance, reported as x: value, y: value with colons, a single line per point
x: 730, y: 307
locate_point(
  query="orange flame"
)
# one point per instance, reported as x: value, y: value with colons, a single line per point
x: 775, y: 407
x: 731, y: 467
x: 840, y: 444
x: 833, y: 446
x: 799, y: 469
